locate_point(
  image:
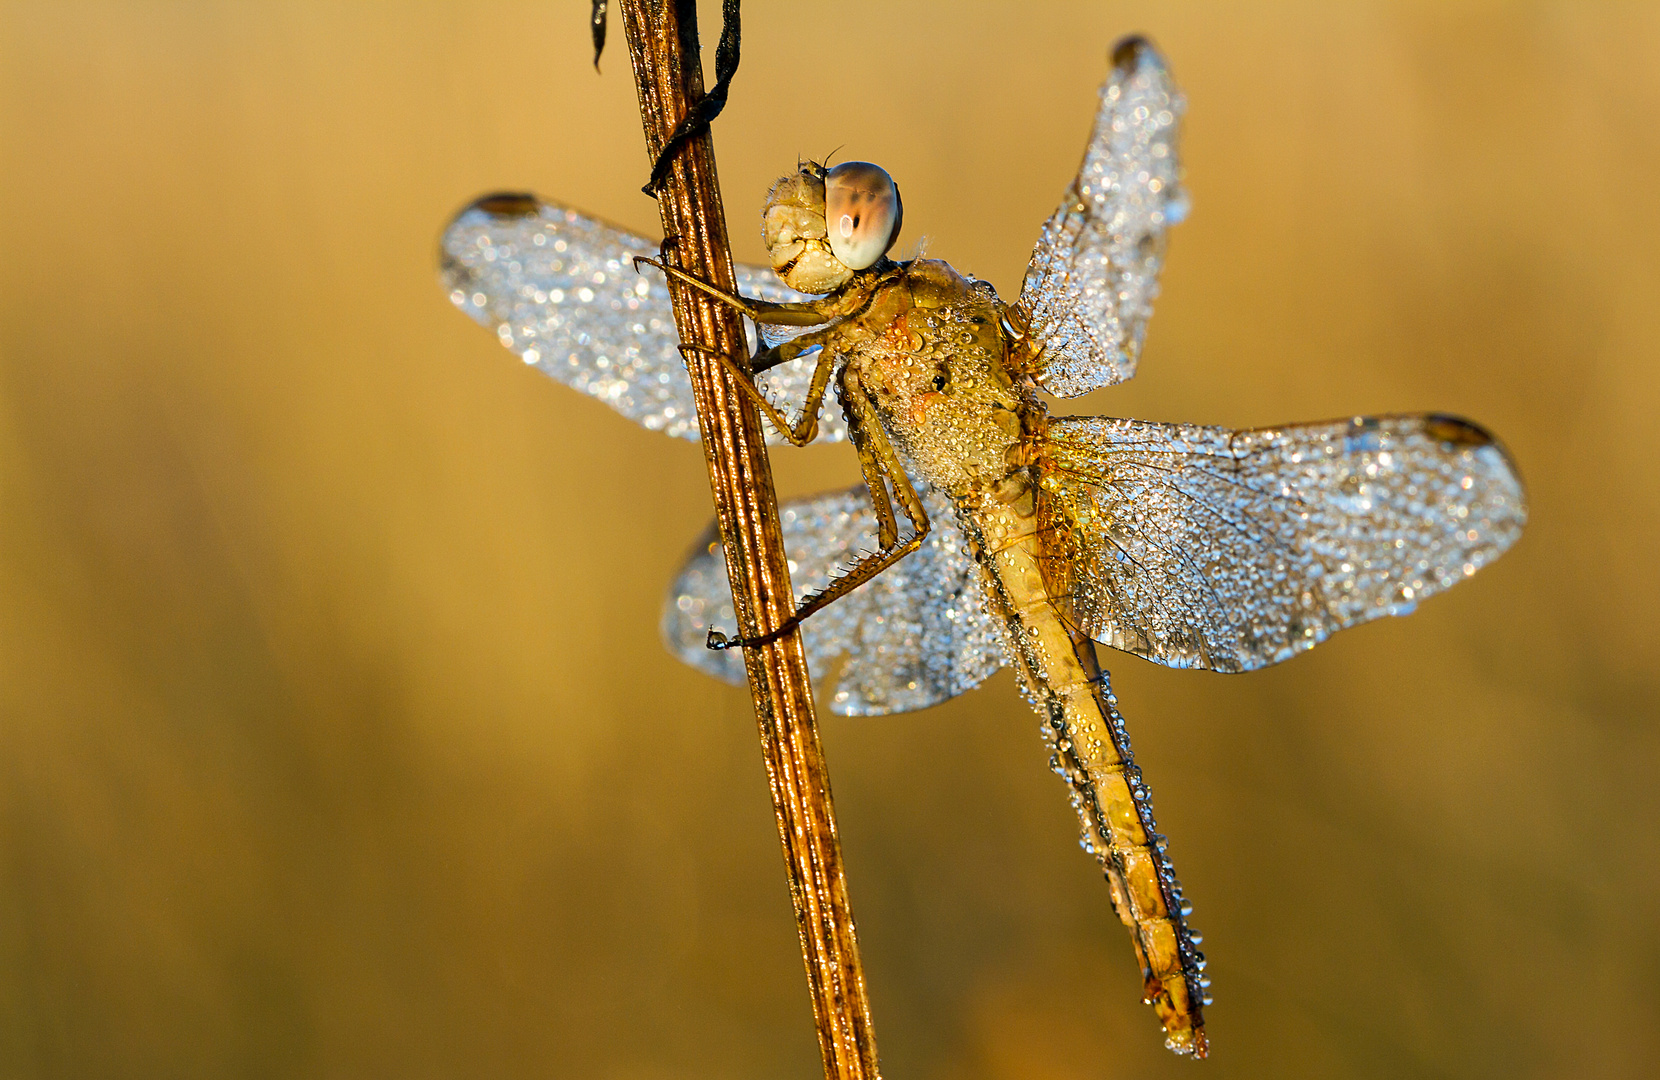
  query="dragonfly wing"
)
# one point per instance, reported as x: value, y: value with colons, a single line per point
x: 1090, y: 286
x: 1231, y: 550
x: 559, y: 289
x: 915, y: 636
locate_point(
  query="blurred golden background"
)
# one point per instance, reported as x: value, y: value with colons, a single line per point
x: 336, y: 737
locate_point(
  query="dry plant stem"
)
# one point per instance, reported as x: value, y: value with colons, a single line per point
x: 668, y: 77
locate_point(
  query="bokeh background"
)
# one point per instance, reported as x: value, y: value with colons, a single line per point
x: 336, y: 737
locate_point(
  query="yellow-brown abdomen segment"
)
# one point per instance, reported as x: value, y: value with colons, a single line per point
x: 1066, y: 685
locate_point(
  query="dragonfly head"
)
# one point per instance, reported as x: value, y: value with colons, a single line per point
x: 823, y: 226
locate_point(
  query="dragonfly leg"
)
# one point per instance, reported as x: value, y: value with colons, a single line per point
x: 806, y: 313
x: 805, y: 429
x: 860, y: 427
x: 882, y: 467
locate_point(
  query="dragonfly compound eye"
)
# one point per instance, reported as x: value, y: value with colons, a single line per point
x: 862, y: 212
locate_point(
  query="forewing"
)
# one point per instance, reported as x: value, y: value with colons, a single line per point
x: 1090, y: 286
x: 559, y: 288
x: 915, y: 636
x: 1231, y: 550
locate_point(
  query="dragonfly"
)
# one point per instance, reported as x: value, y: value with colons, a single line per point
x: 985, y: 532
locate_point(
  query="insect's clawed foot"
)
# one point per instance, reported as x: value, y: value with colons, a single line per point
x: 662, y: 263
x: 719, y: 642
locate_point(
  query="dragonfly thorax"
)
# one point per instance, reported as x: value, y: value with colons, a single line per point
x: 936, y: 366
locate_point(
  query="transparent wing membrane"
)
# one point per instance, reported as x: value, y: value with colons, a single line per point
x: 559, y: 288
x: 915, y: 636
x: 1194, y: 547
x: 1090, y: 286
x: 1231, y: 550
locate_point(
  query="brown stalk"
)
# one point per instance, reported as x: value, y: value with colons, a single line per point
x: 668, y: 75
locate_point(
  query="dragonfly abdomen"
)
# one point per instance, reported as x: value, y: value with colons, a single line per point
x: 1081, y: 724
